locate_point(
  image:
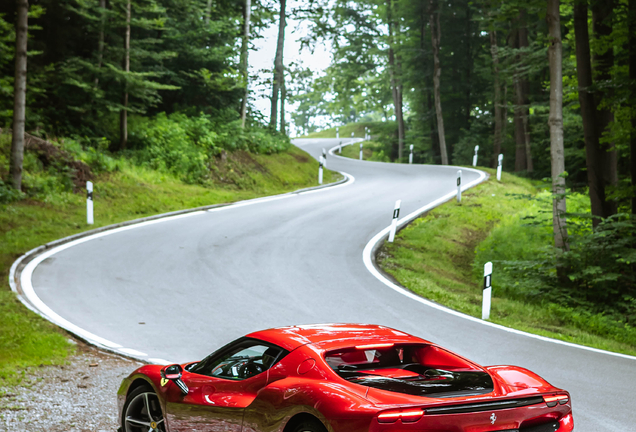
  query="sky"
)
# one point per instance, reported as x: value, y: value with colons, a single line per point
x: 263, y: 58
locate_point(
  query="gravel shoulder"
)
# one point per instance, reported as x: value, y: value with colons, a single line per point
x: 79, y: 396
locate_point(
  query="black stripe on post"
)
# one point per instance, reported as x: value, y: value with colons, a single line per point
x: 487, y: 281
x: 396, y: 213
x: 89, y: 195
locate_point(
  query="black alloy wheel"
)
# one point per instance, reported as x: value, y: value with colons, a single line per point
x: 142, y: 412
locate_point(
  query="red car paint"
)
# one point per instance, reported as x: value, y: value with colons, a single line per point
x: 304, y: 383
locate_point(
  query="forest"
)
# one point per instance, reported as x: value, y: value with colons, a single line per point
x: 549, y: 85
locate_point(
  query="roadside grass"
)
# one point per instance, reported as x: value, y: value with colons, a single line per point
x: 441, y: 255
x: 345, y: 131
x: 131, y: 192
x: 371, y: 151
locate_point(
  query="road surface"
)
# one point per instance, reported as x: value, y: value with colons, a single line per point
x: 178, y: 289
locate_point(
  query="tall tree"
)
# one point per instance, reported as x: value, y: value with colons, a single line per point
x: 100, y: 43
x: 396, y: 79
x: 603, y: 59
x: 525, y: 88
x: 632, y: 77
x: 523, y: 160
x: 279, y: 70
x: 19, y: 98
x: 123, y: 113
x: 436, y: 36
x: 520, y: 139
x: 555, y: 56
x: 589, y: 113
x: 497, y: 102
x: 244, y: 59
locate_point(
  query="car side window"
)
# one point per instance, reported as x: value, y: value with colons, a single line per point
x: 240, y: 362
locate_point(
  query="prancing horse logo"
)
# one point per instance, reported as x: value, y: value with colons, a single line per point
x: 493, y: 418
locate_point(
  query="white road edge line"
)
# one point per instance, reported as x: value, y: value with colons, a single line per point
x: 367, y: 258
x: 35, y: 304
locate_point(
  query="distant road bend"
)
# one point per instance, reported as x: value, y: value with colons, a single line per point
x: 199, y: 281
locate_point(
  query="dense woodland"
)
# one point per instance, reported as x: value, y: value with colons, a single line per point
x: 551, y: 85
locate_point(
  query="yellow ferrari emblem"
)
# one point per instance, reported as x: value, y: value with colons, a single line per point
x: 164, y: 381
x: 153, y: 425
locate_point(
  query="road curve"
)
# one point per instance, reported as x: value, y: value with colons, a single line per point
x: 180, y: 288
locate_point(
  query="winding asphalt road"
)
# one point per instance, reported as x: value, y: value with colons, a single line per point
x: 199, y: 281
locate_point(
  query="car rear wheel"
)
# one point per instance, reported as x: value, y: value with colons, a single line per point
x: 142, y: 412
x: 309, y: 426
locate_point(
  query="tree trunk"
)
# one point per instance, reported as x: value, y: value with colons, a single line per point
x: 278, y: 65
x: 436, y: 36
x: 520, y: 138
x: 555, y: 52
x: 632, y: 77
x: 588, y: 113
x: 123, y: 114
x: 244, y: 59
x: 603, y: 63
x: 396, y: 83
x: 19, y: 99
x: 497, y: 102
x: 525, y: 90
x: 283, y: 97
x: 208, y: 12
x: 469, y: 65
x: 100, y: 44
x: 433, y: 135
x: 521, y: 163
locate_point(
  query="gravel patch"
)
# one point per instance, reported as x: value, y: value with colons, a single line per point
x: 76, y: 397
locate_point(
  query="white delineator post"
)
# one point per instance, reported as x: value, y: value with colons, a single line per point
x: 411, y: 155
x: 324, y: 155
x: 337, y: 133
x: 396, y: 215
x: 89, y: 203
x: 499, y: 166
x: 475, y: 156
x: 360, y: 151
x: 459, y: 186
x: 320, y: 170
x: 485, y: 305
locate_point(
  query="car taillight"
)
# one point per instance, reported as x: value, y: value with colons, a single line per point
x: 552, y: 401
x: 407, y: 416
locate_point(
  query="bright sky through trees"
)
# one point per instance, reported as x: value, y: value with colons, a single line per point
x: 262, y: 58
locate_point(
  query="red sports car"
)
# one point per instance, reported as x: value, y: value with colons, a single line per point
x: 339, y: 378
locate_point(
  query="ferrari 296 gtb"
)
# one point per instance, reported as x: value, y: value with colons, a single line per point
x: 339, y: 378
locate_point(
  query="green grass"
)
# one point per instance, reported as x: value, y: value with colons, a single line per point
x: 129, y: 193
x: 371, y: 151
x: 345, y: 131
x: 440, y: 257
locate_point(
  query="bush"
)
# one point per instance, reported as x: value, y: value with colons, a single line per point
x: 184, y: 146
x: 9, y: 194
x: 597, y: 275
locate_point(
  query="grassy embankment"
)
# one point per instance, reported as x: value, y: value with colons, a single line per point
x: 441, y: 256
x: 345, y: 131
x: 371, y: 151
x: 129, y: 192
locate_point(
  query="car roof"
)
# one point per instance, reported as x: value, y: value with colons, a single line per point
x: 332, y: 336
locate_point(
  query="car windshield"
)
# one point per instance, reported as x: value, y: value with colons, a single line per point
x: 240, y: 360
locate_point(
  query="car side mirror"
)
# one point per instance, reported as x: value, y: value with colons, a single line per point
x: 173, y: 373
